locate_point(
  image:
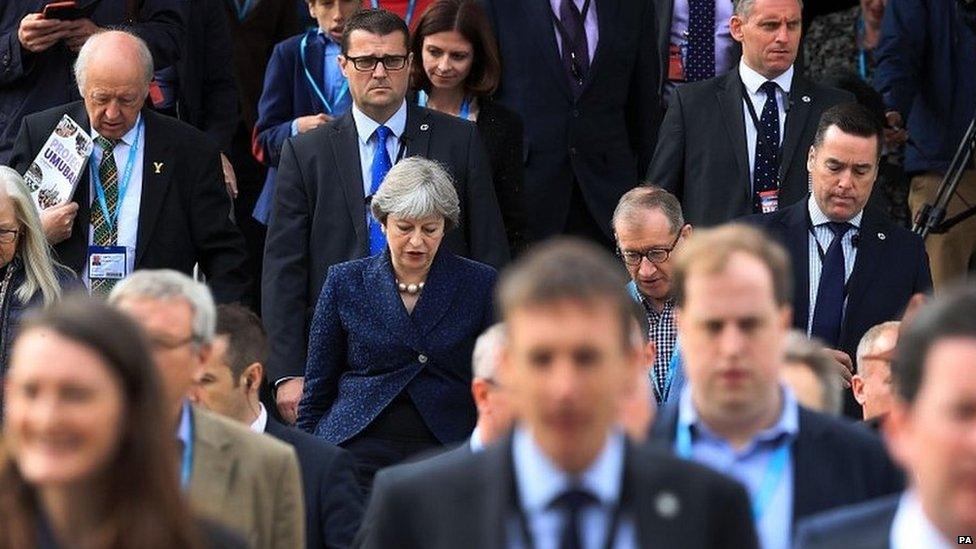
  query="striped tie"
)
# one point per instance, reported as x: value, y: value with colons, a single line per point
x: 105, y: 233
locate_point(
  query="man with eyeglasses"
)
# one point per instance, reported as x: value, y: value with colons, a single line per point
x: 648, y: 226
x: 327, y: 176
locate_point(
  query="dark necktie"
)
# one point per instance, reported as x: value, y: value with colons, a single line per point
x: 381, y: 165
x: 700, y: 62
x: 576, y: 53
x: 765, y: 173
x: 572, y: 502
x: 829, y: 311
x: 105, y: 231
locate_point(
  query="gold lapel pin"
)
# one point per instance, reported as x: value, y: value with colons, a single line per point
x: 158, y: 166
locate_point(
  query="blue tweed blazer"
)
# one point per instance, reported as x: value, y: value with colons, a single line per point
x: 364, y: 349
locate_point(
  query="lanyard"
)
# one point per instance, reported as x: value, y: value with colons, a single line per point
x: 462, y: 114
x: 315, y: 87
x: 242, y: 9
x: 186, y: 464
x: 411, y: 6
x: 778, y: 148
x: 672, y: 367
x: 123, y: 183
x: 771, y: 479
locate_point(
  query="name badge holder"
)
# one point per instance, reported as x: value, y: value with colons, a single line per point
x: 319, y: 92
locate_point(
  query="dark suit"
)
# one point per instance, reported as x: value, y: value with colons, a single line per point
x: 702, y: 156
x: 597, y: 141
x: 319, y: 217
x: 333, y: 501
x: 834, y: 462
x: 891, y: 266
x: 475, y: 491
x: 183, y: 213
x: 863, y: 526
x: 502, y: 131
x: 365, y: 350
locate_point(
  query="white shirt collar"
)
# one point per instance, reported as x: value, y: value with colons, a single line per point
x: 475, y: 442
x: 540, y: 480
x: 261, y: 422
x: 912, y: 528
x: 752, y: 80
x: 366, y: 126
x: 130, y: 136
x: 817, y: 217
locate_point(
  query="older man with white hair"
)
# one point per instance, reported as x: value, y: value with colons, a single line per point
x: 153, y: 194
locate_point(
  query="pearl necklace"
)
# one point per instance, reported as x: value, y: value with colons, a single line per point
x: 412, y: 289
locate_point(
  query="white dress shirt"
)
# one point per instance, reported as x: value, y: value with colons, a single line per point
x: 912, y: 529
x: 753, y: 81
x: 261, y: 423
x: 128, y: 219
x: 824, y: 236
x: 366, y: 127
x: 590, y: 25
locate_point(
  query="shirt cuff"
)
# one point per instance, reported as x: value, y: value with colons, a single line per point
x: 294, y: 127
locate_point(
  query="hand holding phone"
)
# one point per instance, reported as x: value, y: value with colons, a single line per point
x: 36, y: 33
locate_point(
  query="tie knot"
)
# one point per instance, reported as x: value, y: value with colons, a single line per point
x: 573, y: 499
x: 769, y: 88
x: 106, y: 144
x: 838, y: 228
x: 382, y: 132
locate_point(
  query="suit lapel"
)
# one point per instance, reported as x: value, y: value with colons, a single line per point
x: 798, y: 111
x: 157, y: 165
x: 797, y: 235
x: 431, y: 307
x: 538, y: 18
x: 213, y: 462
x: 345, y: 158
x: 384, y: 300
x: 870, y: 247
x: 416, y: 132
x: 804, y: 459
x: 606, y: 15
x: 499, y: 501
x: 730, y: 99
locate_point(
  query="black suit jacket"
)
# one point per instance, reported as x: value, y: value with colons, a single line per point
x: 863, y: 526
x: 702, y: 156
x: 501, y: 129
x: 333, y: 500
x: 319, y: 217
x: 465, y: 500
x: 598, y: 139
x: 835, y: 462
x: 183, y: 214
x: 891, y: 266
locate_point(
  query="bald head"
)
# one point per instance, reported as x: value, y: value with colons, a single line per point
x: 113, y: 71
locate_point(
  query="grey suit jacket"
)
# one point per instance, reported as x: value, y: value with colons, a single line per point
x: 248, y: 482
x: 863, y: 526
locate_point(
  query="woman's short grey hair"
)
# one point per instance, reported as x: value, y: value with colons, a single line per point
x: 167, y: 285
x: 743, y: 8
x: 92, y: 44
x: 416, y: 188
x: 34, y: 251
x: 809, y: 352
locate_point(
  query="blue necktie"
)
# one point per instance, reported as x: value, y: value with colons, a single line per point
x: 381, y: 165
x: 700, y: 61
x: 765, y: 174
x: 829, y: 311
x: 572, y: 502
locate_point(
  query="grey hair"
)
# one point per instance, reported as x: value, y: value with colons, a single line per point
x: 867, y: 344
x: 743, y: 8
x: 35, y: 252
x: 484, y: 360
x: 170, y: 285
x: 648, y: 197
x: 416, y: 188
x: 90, y: 45
x: 809, y: 352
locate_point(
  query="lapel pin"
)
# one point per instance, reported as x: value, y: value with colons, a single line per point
x: 805, y: 99
x: 424, y: 127
x: 881, y: 236
x: 666, y: 504
x: 158, y: 166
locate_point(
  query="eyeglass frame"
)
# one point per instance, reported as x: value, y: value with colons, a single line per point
x: 4, y: 232
x: 646, y: 254
x: 376, y: 61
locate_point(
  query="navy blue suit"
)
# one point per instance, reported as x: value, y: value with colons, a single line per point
x: 835, y: 462
x: 863, y: 526
x: 364, y: 349
x: 333, y: 501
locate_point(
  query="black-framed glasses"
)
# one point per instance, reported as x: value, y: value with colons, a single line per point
x: 8, y: 235
x: 367, y: 63
x: 654, y: 255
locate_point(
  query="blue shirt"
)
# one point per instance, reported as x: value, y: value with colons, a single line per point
x: 750, y: 464
x: 334, y: 80
x: 539, y: 481
x: 824, y: 236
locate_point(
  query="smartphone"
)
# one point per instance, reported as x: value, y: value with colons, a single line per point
x: 67, y: 10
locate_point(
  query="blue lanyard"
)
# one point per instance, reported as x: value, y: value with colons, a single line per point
x: 315, y: 87
x: 411, y: 6
x: 463, y: 113
x: 862, y: 55
x: 123, y: 183
x: 242, y: 9
x: 186, y: 464
x: 672, y: 367
x: 774, y: 470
